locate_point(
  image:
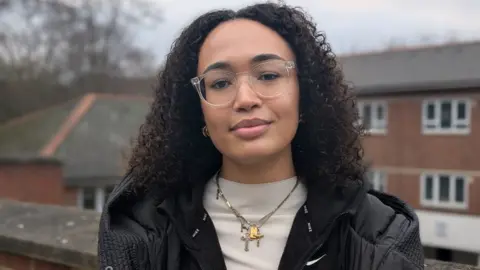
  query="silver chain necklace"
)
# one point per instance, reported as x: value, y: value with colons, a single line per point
x: 252, y: 230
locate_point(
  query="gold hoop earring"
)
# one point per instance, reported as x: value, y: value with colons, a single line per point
x: 205, y: 131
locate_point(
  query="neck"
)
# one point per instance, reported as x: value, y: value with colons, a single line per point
x: 270, y: 169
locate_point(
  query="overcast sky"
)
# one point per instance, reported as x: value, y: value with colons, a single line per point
x: 350, y: 25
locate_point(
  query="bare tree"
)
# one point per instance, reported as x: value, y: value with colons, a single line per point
x: 76, y: 37
x: 80, y: 44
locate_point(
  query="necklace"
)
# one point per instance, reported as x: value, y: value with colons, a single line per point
x: 252, y: 230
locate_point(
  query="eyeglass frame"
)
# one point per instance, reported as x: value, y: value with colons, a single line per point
x: 195, y: 81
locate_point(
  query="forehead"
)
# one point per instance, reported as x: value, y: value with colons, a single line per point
x: 238, y: 41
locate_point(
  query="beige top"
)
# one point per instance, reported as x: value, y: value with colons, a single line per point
x: 253, y: 201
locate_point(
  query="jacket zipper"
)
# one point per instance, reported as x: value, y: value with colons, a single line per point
x: 319, y: 243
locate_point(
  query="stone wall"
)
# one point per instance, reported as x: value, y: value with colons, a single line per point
x: 41, y: 237
x: 10, y: 261
x: 37, y: 236
x: 436, y: 265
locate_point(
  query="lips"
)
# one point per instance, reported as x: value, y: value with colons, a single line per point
x: 251, y: 129
x: 249, y: 123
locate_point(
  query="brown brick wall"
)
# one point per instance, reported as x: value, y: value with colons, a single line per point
x: 405, y: 148
x: 17, y: 262
x: 39, y: 183
x: 407, y: 188
x: 70, y: 195
x: 404, y: 145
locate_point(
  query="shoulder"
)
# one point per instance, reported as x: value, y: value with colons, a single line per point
x: 382, y: 216
x: 388, y: 222
x: 128, y: 228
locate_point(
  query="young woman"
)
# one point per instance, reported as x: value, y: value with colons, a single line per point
x: 250, y: 158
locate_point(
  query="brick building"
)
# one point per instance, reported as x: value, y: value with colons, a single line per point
x: 35, y: 179
x: 421, y: 108
x: 89, y: 136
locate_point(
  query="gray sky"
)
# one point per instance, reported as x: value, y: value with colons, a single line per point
x: 350, y: 25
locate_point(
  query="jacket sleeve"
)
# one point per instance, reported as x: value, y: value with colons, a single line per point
x: 385, y: 237
x: 357, y: 253
x: 406, y: 252
x: 120, y: 249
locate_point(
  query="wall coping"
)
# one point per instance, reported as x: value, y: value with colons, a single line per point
x: 68, y: 236
x: 63, y: 235
x: 438, y: 265
x: 28, y: 159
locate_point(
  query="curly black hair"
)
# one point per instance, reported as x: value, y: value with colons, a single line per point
x: 171, y: 150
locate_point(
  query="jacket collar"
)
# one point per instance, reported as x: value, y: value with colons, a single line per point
x: 185, y: 206
x: 324, y: 204
x: 184, y: 210
x: 313, y: 223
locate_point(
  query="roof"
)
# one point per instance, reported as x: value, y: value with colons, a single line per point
x: 415, y: 69
x: 89, y: 135
x: 65, y: 235
x: 29, y: 133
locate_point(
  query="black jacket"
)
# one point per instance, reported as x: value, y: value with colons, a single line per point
x: 353, y: 230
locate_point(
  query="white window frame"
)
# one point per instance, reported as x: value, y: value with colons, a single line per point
x: 378, y: 126
x: 379, y: 178
x: 435, y: 202
x: 436, y: 122
x: 99, y: 198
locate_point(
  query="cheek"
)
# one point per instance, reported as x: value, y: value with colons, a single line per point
x: 285, y: 109
x: 287, y: 105
x: 216, y: 119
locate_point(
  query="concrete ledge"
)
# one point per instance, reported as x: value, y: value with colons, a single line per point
x: 437, y: 265
x: 63, y: 235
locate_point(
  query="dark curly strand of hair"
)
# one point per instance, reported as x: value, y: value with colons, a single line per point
x: 171, y: 150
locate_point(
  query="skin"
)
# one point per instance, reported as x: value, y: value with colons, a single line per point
x: 267, y: 158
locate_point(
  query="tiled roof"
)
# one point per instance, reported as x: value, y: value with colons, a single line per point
x: 90, y: 135
x: 30, y: 133
x: 96, y: 145
x: 429, y: 68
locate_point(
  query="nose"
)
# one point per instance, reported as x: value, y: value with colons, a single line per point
x: 246, y: 98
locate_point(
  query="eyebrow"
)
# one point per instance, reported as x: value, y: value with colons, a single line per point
x: 265, y: 57
x: 255, y: 60
x: 217, y: 65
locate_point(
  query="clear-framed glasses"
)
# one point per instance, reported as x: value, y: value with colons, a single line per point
x: 268, y: 79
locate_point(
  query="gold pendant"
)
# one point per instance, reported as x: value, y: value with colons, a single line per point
x: 252, y: 234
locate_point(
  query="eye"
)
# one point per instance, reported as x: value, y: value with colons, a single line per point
x: 220, y: 84
x: 268, y: 76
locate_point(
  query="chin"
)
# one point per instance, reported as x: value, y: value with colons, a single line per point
x: 252, y: 152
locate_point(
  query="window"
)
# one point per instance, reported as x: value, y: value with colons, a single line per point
x: 444, y: 190
x: 93, y: 198
x: 373, y: 115
x: 446, y: 116
x: 88, y: 198
x: 378, y: 179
